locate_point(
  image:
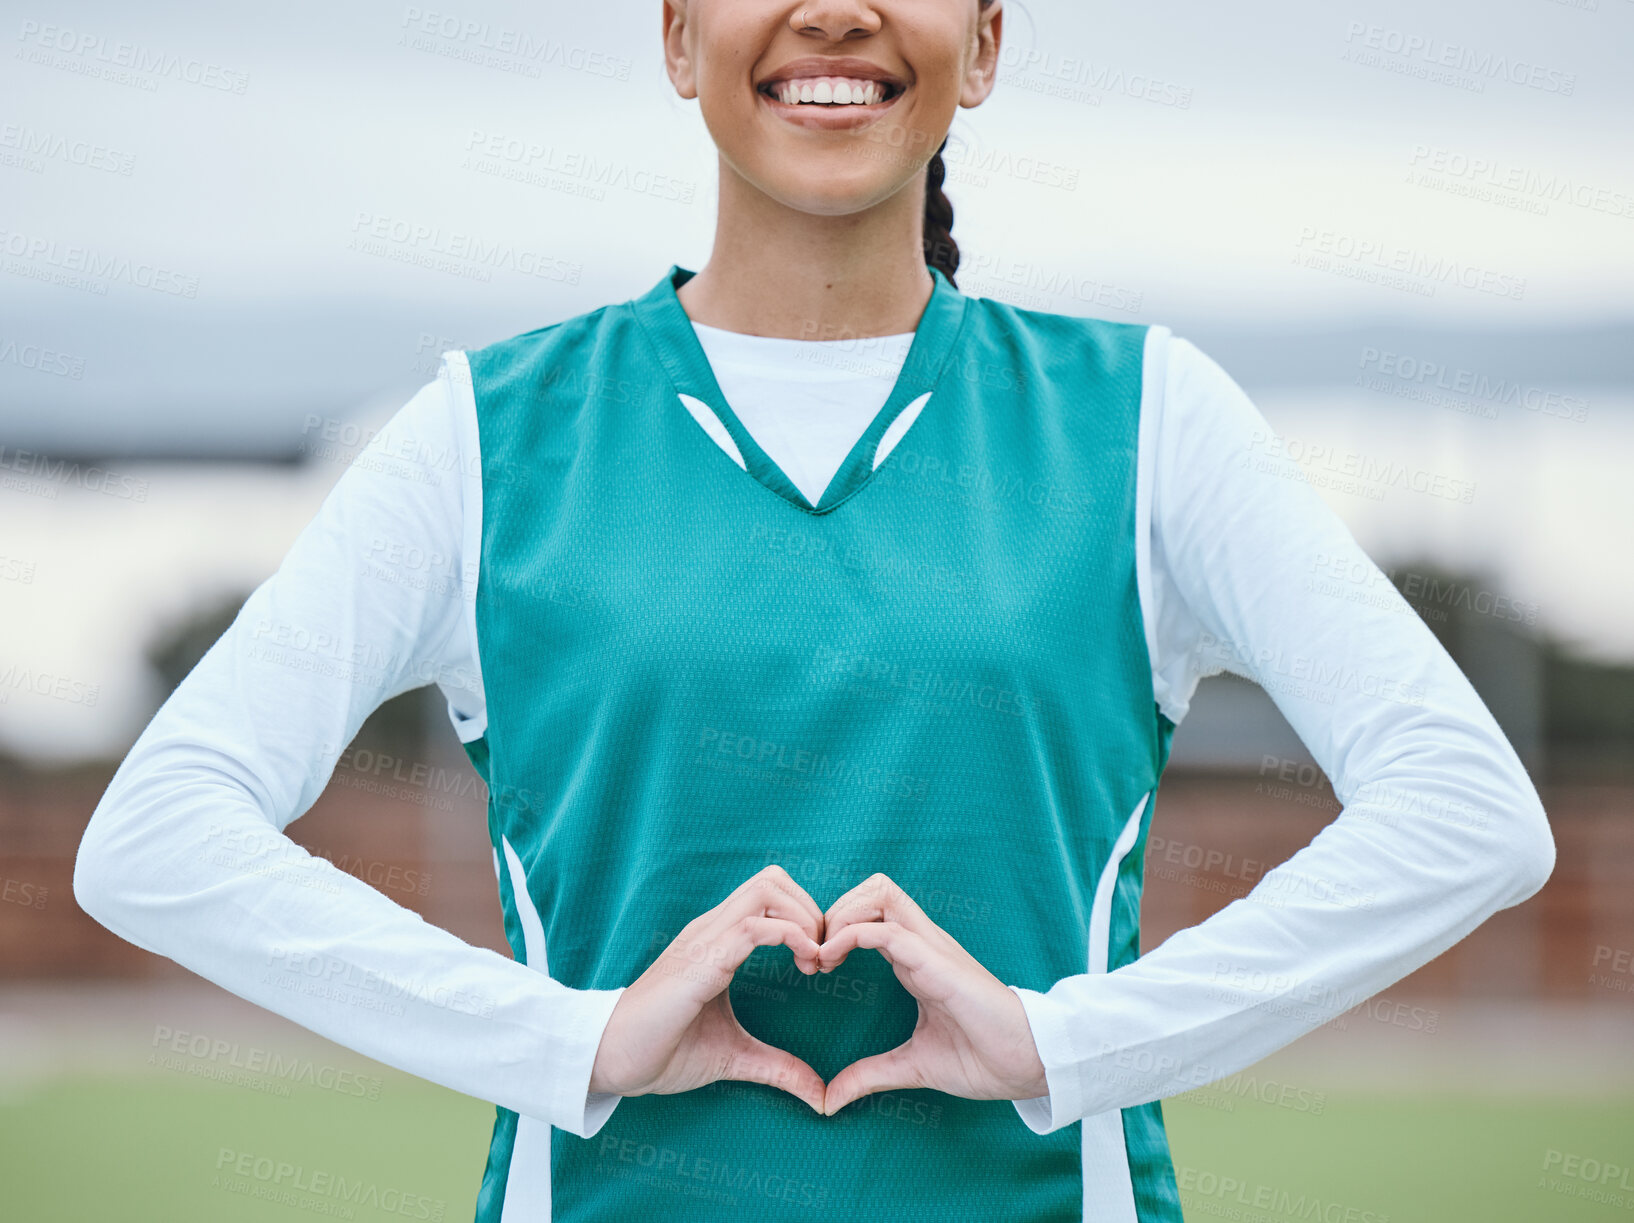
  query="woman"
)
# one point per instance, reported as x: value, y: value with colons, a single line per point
x: 757, y: 651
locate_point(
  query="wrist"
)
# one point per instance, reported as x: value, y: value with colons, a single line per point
x: 1034, y: 1081
x: 601, y: 1082
x: 1034, y: 1087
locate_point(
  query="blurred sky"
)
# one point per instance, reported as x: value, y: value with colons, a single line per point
x: 1188, y: 154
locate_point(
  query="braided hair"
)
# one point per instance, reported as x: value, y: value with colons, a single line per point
x: 941, y: 251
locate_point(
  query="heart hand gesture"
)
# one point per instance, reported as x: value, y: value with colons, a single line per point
x: 674, y: 1030
x: 972, y: 1038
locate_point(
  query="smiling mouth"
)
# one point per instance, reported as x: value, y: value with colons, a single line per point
x: 831, y: 92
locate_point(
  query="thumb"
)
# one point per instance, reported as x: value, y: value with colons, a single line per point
x: 891, y: 1070
x: 752, y: 1060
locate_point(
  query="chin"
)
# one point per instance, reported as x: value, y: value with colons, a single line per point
x: 832, y: 203
x: 838, y: 185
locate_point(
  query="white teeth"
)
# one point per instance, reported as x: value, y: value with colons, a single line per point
x: 835, y: 91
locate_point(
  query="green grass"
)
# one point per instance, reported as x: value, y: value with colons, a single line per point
x: 147, y: 1148
x: 1435, y: 1158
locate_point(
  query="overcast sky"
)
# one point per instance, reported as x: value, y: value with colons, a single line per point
x: 1200, y: 142
x: 1190, y: 154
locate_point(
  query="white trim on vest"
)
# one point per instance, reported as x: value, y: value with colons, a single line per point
x: 1153, y: 388
x: 527, y: 1187
x: 1109, y: 1190
x: 456, y: 367
x: 705, y: 416
x: 898, y: 427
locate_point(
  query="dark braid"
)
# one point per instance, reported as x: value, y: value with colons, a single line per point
x: 941, y: 251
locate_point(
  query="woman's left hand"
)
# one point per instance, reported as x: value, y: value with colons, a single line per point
x: 972, y: 1038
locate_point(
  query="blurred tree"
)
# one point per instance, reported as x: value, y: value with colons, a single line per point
x: 1569, y: 718
x: 177, y: 647
x: 398, y: 726
x: 1589, y: 708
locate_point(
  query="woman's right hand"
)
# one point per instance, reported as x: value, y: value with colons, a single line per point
x: 674, y: 1030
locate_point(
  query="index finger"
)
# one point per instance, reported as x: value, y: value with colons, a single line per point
x: 772, y: 892
x: 878, y: 898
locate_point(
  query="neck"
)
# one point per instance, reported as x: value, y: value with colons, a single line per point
x: 779, y: 272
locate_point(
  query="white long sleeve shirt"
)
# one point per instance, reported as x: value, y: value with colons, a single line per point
x: 1241, y: 567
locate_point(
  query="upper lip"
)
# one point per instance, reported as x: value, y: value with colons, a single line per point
x: 825, y: 65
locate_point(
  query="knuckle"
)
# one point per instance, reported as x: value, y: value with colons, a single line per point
x: 885, y: 886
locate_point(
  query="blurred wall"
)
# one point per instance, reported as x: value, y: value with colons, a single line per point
x: 233, y: 240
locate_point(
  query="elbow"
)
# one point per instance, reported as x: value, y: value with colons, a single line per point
x: 91, y: 883
x: 1528, y: 850
x: 98, y: 883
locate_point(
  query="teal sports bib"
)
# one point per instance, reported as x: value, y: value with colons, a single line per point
x: 939, y: 672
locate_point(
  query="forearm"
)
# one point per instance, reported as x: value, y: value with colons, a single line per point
x: 185, y: 865
x: 1440, y: 827
x: 186, y: 854
x: 1375, y: 896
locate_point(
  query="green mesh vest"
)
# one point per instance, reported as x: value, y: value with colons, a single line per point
x: 939, y: 672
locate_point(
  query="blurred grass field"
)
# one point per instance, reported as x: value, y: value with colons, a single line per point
x: 145, y: 1148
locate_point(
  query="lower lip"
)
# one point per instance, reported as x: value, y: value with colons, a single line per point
x: 829, y: 118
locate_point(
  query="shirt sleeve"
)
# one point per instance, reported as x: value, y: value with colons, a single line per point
x: 1440, y: 825
x: 186, y: 856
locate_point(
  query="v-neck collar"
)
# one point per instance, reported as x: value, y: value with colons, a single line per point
x: 669, y: 329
